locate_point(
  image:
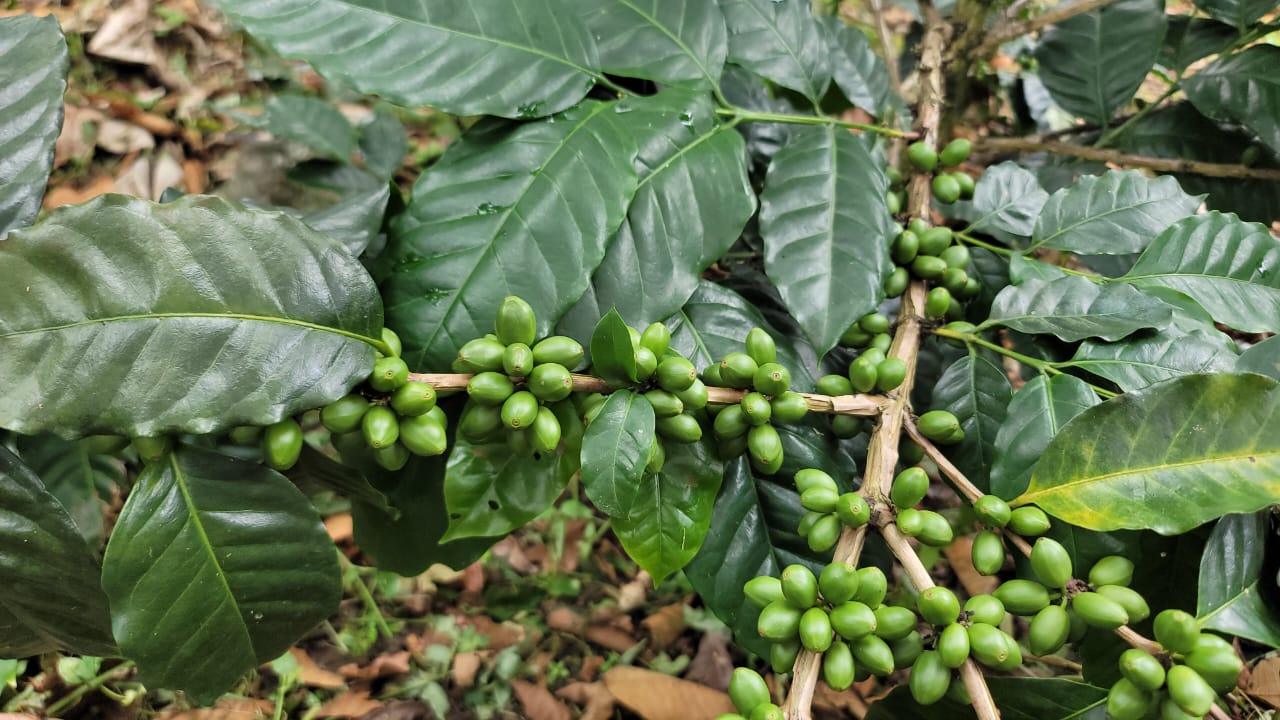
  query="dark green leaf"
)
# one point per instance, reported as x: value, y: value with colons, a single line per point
x: 511, y: 209
x: 78, y: 479
x: 693, y: 184
x: 223, y: 553
x: 667, y: 41
x: 191, y: 316
x: 857, y: 69
x: 1038, y: 410
x: 1239, y: 13
x: 1023, y: 269
x: 490, y: 490
x: 1094, y: 62
x: 52, y: 600
x: 1166, y: 458
x: 1228, y: 266
x: 1190, y: 39
x: 1243, y: 88
x: 613, y: 355
x: 1229, y: 599
x: 1136, y: 363
x: 1019, y: 698
x: 671, y: 513
x: 1115, y: 213
x: 33, y: 76
x: 354, y: 220
x: 780, y: 40
x: 977, y: 392
x: 1009, y: 198
x: 1074, y: 308
x: 1263, y: 358
x: 743, y: 88
x: 512, y: 58
x: 614, y: 452
x: 315, y: 470
x: 826, y: 231
x: 383, y: 142
x: 310, y: 121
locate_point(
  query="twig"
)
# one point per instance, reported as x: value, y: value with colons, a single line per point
x: 1167, y: 165
x: 71, y: 698
x: 744, y: 115
x: 1004, y: 33
x: 1135, y: 639
x: 886, y: 47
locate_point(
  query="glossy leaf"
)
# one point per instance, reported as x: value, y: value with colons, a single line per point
x: 52, y: 601
x: 671, y: 512
x: 857, y: 69
x: 227, y: 555
x: 1035, y: 415
x: 512, y: 58
x: 667, y: 41
x: 1018, y: 698
x: 190, y: 316
x: 1190, y: 39
x: 355, y: 220
x: 1074, y: 308
x: 977, y: 392
x: 1111, y: 214
x: 1242, y: 88
x: 78, y: 479
x: 780, y: 40
x: 1009, y: 198
x: 33, y: 76
x: 309, y: 121
x: 826, y: 231
x: 317, y: 471
x: 1230, y: 267
x: 1239, y: 13
x: 1263, y: 358
x: 613, y: 354
x: 614, y: 452
x: 383, y: 143
x: 1231, y: 572
x: 1022, y: 269
x: 1094, y: 62
x: 490, y: 490
x: 693, y: 185
x: 1138, y: 362
x: 1166, y: 458
x: 511, y: 209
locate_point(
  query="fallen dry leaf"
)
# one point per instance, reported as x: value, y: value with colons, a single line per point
x: 960, y: 554
x: 312, y: 675
x: 339, y: 527
x: 655, y: 696
x: 500, y: 635
x: 127, y: 35
x: 225, y: 709
x: 1264, y: 682
x: 665, y: 625
x: 75, y: 140
x: 539, y: 703
x: 68, y: 195
x: 598, y: 702
x: 712, y: 665
x: 352, y: 704
x: 396, y: 663
x: 611, y: 638
x: 465, y: 667
x: 121, y: 138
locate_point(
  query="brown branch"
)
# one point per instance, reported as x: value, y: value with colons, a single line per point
x: 1194, y: 167
x: 1004, y: 33
x: 865, y: 405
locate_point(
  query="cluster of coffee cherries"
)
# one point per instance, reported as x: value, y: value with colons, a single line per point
x: 748, y: 426
x: 393, y: 416
x: 948, y: 187
x: 1183, y: 681
x: 518, y: 382
x: 827, y: 510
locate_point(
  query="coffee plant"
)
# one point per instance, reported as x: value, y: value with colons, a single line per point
x: 798, y: 315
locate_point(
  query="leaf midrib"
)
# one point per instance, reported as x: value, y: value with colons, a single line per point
x: 1028, y: 497
x: 164, y: 316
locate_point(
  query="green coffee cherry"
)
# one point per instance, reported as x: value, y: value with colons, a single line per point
x: 1189, y: 690
x: 646, y: 363
x: 799, y: 586
x: 760, y: 346
x: 380, y: 426
x: 1023, y: 597
x: 1135, y: 606
x: 985, y: 609
x: 838, y: 582
x: 904, y: 248
x: 863, y: 374
x: 956, y: 152
x: 955, y: 437
x: 987, y: 645
x: 938, y: 605
x: 894, y: 622
x: 550, y: 382
x: 778, y: 621
x: 1220, y: 667
x: 935, y: 240
x: 246, y: 435
x: 481, y: 355
x: 824, y: 534
x: 822, y: 500
x: 922, y: 156
x: 815, y: 630
x: 546, y: 433
x: 782, y: 654
x: 657, y: 338
x: 834, y: 385
x: 490, y: 388
x: 853, y: 510
x: 1111, y: 570
x: 747, y: 690
x: 1098, y: 610
x: 517, y: 360
x: 846, y: 426
x: 890, y: 373
x: 767, y: 711
x: 413, y: 398
x: 872, y: 586
x: 560, y: 350
x: 838, y: 666
x: 1049, y: 629
x: 954, y: 280
x: 112, y: 444
x: 772, y: 379
x: 882, y: 342
x: 423, y: 435
x: 1142, y: 669
x: 520, y: 410
x: 676, y: 374
x: 1051, y: 563
x: 738, y: 370
x: 392, y: 457
x: 665, y: 404
x: 853, y: 619
x: 855, y: 336
x: 756, y: 408
x: 1176, y: 630
x: 953, y: 645
x: 809, y: 478
x: 764, y: 445
x: 928, y: 267
x: 1169, y: 710
x: 694, y: 397
x: 946, y: 189
x: 1126, y: 701
x: 909, y: 453
x: 930, y: 678
x: 987, y: 552
x: 711, y: 375
x: 344, y: 414
x: 937, y: 302
x: 282, y: 444
x: 893, y: 202
x: 479, y: 423
x: 392, y: 341
x: 762, y: 590
x: 680, y: 429
x: 910, y: 521
x: 935, y: 530
x: 388, y: 374
x: 906, y: 650
x: 872, y: 653
x: 1028, y: 521
x: 992, y: 510
x: 966, y: 183
x: 897, y: 282
x: 957, y: 257
x: 909, y: 487
x: 731, y: 422
x: 516, y: 322
x: 938, y: 424
x: 788, y: 407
